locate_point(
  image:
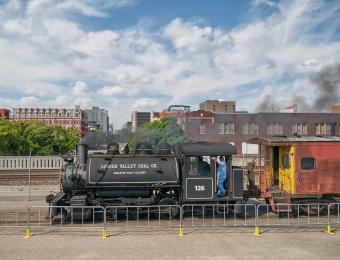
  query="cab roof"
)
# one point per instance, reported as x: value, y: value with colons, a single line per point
x: 213, y: 149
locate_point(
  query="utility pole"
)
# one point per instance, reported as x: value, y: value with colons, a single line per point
x: 29, y: 176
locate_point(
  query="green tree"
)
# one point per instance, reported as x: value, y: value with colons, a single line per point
x: 165, y: 130
x: 19, y: 138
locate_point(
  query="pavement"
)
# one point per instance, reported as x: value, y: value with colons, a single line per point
x: 195, y: 245
x: 226, y: 243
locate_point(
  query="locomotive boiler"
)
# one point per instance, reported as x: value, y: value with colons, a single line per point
x: 186, y: 175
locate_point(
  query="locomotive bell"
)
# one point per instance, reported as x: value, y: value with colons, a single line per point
x: 143, y: 148
x: 112, y: 148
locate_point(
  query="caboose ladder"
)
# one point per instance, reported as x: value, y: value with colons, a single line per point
x: 280, y: 201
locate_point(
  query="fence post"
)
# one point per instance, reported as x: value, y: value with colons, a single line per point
x: 181, y: 229
x: 28, y: 231
x: 257, y: 229
x: 104, y: 231
x: 329, y: 229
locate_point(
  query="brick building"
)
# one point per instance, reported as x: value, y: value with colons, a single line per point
x: 67, y: 118
x: 218, y: 106
x: 238, y: 128
x: 4, y: 113
x: 335, y: 109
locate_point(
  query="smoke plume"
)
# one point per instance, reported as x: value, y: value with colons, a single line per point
x: 268, y: 104
x: 327, y: 83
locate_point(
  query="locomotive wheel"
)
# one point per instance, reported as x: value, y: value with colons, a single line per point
x: 167, y: 212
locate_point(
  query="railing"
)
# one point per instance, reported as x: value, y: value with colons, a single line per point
x: 188, y: 216
x: 37, y: 162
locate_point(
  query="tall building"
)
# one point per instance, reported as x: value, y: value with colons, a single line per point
x: 65, y: 117
x: 97, y: 119
x: 238, y: 128
x: 4, y: 113
x: 218, y: 106
x: 139, y: 118
x: 173, y: 110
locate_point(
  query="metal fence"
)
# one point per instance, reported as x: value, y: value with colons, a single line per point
x: 218, y: 215
x: 160, y: 217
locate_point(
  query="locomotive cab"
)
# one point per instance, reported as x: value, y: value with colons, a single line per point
x: 199, y: 173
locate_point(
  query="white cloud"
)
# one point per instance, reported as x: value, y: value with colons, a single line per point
x: 54, y: 60
x: 83, y: 8
x: 111, y: 91
x: 18, y: 26
x: 188, y: 37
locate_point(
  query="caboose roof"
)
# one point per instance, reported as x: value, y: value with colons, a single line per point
x: 213, y: 149
x: 295, y: 139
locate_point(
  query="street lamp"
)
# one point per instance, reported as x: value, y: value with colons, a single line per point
x: 29, y: 176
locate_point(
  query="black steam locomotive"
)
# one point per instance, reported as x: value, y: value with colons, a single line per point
x: 187, y: 175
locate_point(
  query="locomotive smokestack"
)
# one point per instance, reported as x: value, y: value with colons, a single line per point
x: 82, y: 153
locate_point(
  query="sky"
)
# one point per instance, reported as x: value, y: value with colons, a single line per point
x: 127, y: 55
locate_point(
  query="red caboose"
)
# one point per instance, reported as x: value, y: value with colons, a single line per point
x: 304, y: 169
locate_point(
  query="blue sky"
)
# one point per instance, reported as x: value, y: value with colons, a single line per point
x: 126, y: 55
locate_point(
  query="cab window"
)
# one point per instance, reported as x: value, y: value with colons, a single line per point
x: 307, y: 163
x: 198, y: 165
x: 204, y: 168
x: 192, y: 165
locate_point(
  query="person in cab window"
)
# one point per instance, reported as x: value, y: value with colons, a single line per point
x: 221, y: 176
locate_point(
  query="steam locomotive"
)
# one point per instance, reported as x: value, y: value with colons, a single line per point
x: 186, y: 175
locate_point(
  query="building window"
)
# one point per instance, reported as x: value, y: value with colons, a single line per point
x: 337, y: 132
x: 307, y: 163
x: 202, y: 128
x: 250, y: 129
x: 323, y: 129
x: 214, y: 107
x: 68, y: 114
x: 60, y: 114
x: 226, y: 128
x: 299, y: 128
x: 275, y: 129
x: 225, y: 108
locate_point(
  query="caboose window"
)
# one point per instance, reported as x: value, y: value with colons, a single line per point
x: 285, y: 161
x: 307, y: 163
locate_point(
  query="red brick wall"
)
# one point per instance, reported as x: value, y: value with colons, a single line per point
x: 4, y: 113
